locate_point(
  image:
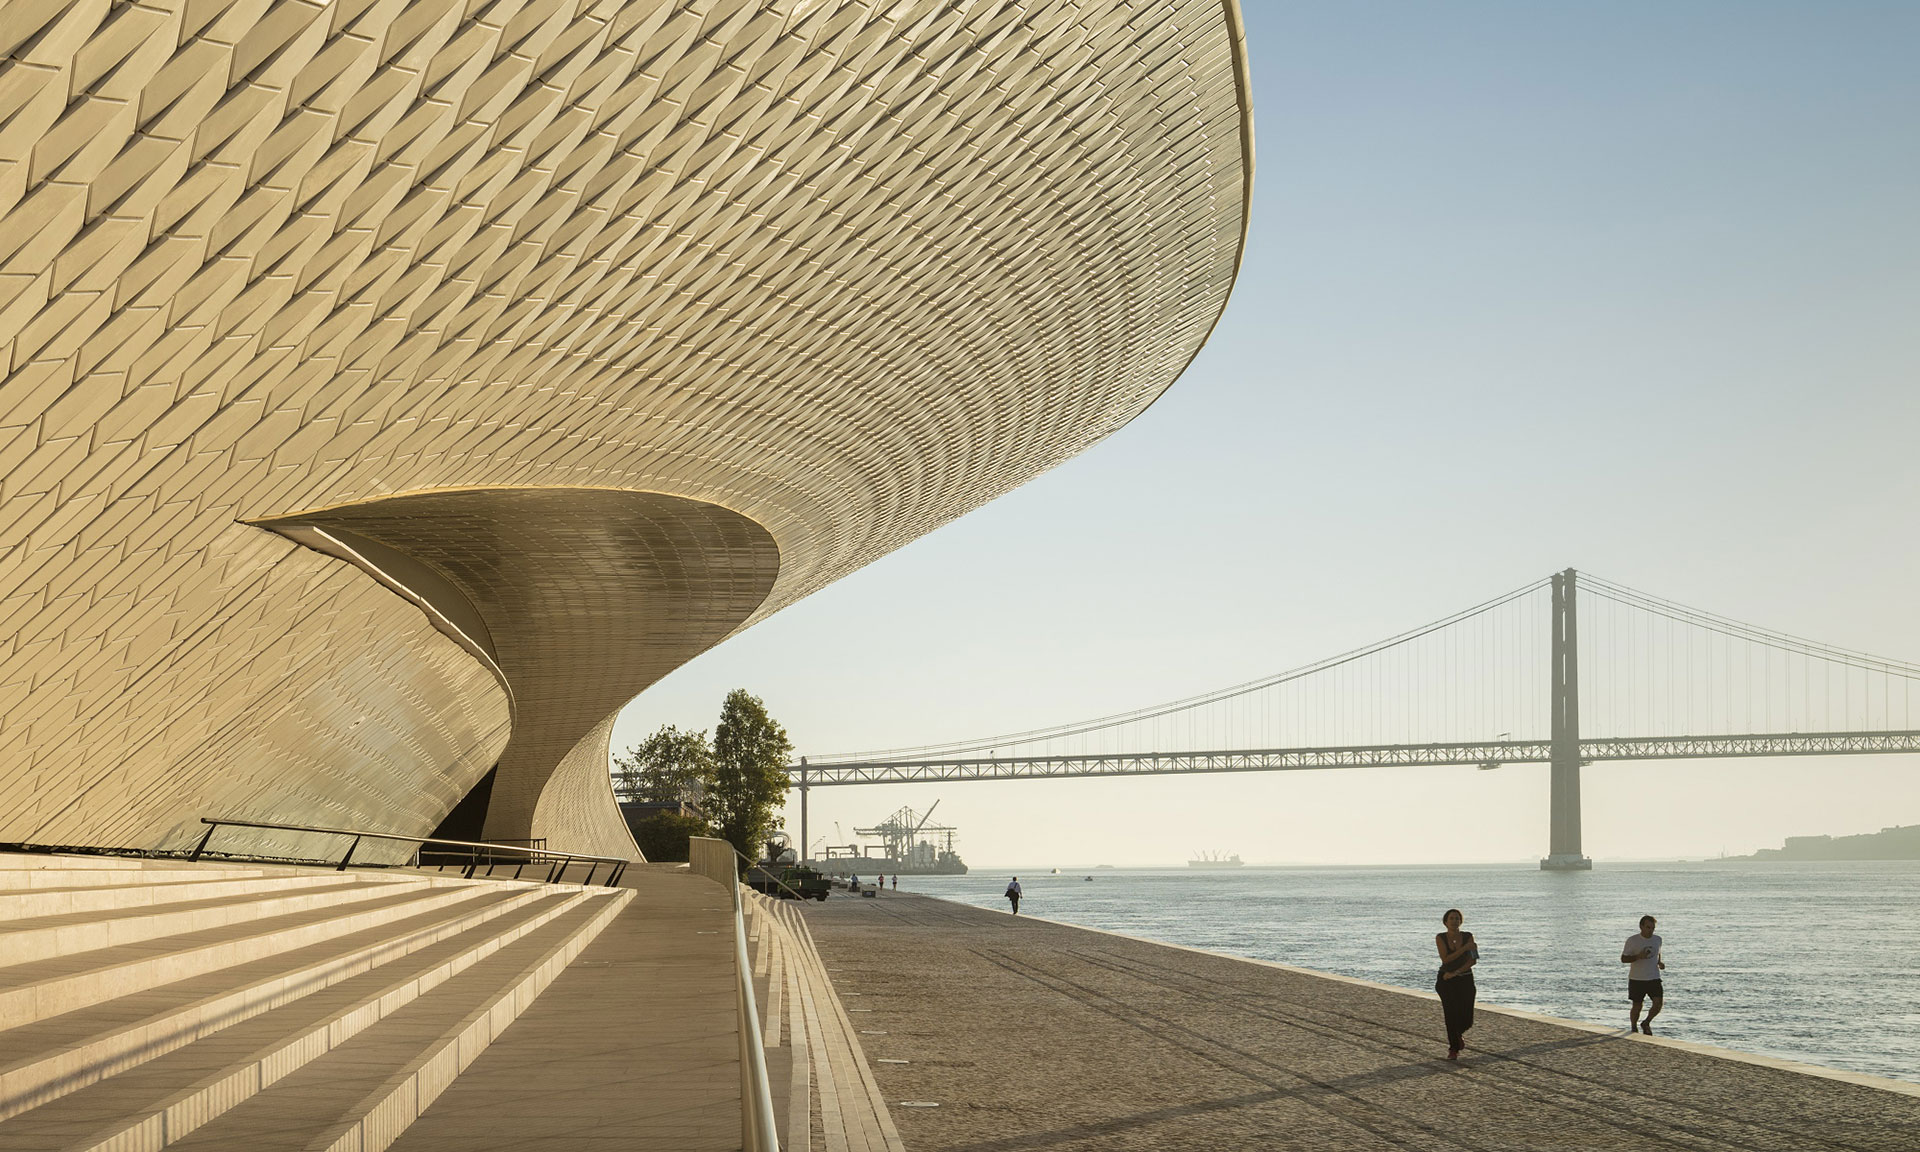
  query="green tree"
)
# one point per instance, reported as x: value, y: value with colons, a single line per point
x: 668, y: 767
x: 663, y: 836
x: 750, y: 754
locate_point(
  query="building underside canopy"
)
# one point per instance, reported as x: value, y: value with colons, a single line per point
x: 577, y: 598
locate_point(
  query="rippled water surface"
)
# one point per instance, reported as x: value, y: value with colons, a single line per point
x: 1812, y: 961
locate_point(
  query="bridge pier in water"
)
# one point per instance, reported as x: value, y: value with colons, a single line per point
x: 1563, y: 839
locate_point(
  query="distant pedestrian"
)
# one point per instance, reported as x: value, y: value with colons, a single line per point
x: 1458, y: 954
x: 1013, y: 895
x: 1642, y: 950
x: 880, y: 882
x: 896, y: 881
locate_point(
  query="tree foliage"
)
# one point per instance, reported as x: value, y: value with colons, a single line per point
x: 668, y: 767
x: 663, y: 836
x: 750, y: 752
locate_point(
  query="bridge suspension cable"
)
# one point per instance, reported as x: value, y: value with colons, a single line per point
x: 1562, y: 671
x: 1650, y: 668
x: 1726, y: 625
x: 1653, y: 666
x: 1189, y: 704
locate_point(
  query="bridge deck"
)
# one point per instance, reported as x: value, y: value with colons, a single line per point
x: 1484, y: 753
x: 1033, y: 1035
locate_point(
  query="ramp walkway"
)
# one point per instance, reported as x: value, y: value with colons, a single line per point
x: 1033, y: 1035
x: 634, y: 1047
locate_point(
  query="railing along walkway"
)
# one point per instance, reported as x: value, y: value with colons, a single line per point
x: 783, y: 1026
x: 759, y: 1129
x: 477, y: 852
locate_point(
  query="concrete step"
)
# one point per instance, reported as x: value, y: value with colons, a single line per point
x: 360, y: 1095
x: 44, y: 1059
x: 853, y: 1111
x: 26, y: 879
x: 34, y: 861
x: 635, y: 1046
x: 132, y: 890
x: 49, y: 987
x: 782, y: 1024
x: 164, y: 1099
x: 67, y: 934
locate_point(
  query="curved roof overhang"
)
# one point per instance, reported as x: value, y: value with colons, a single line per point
x: 576, y: 599
x: 841, y: 271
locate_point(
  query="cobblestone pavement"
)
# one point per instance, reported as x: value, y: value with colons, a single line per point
x: 1031, y: 1035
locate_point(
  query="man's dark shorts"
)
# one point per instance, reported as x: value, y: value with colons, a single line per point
x: 1637, y: 990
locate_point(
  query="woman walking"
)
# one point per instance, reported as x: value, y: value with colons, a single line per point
x: 1455, y: 982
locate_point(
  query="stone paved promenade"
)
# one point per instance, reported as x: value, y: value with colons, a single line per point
x: 1033, y: 1035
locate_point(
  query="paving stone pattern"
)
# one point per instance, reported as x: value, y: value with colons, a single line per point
x: 1033, y: 1035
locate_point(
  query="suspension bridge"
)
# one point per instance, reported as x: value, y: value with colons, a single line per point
x: 1508, y: 681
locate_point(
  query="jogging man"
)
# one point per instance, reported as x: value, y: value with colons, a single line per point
x: 1643, y: 979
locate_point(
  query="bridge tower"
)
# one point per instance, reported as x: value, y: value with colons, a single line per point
x: 804, y: 846
x: 1563, y: 844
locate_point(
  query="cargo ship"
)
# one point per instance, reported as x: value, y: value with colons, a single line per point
x: 1215, y: 860
x: 909, y: 846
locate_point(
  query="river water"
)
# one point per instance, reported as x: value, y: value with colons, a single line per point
x: 1811, y: 961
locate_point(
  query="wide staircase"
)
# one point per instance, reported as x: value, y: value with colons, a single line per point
x: 825, y: 1093
x: 148, y: 1005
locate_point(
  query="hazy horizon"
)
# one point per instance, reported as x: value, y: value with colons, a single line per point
x: 1077, y: 867
x: 1628, y: 288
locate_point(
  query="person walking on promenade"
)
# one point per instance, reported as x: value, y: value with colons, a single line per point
x: 1643, y: 979
x: 1458, y: 954
x: 1013, y: 895
x: 896, y: 881
x: 880, y: 882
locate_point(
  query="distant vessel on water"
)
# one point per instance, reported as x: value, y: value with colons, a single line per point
x: 1215, y: 860
x: 908, y: 848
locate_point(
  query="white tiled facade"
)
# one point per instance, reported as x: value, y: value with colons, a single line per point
x: 631, y: 322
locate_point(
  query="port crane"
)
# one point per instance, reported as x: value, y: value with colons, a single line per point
x: 900, y: 833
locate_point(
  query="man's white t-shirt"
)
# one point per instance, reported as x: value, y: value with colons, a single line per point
x: 1643, y: 967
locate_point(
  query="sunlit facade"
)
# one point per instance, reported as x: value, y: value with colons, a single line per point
x: 392, y: 391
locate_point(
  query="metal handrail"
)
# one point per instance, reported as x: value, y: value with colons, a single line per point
x: 758, y: 1131
x: 556, y: 862
x: 752, y: 864
x: 760, y: 1122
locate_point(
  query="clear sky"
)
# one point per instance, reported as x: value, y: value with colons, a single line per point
x: 1631, y: 287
